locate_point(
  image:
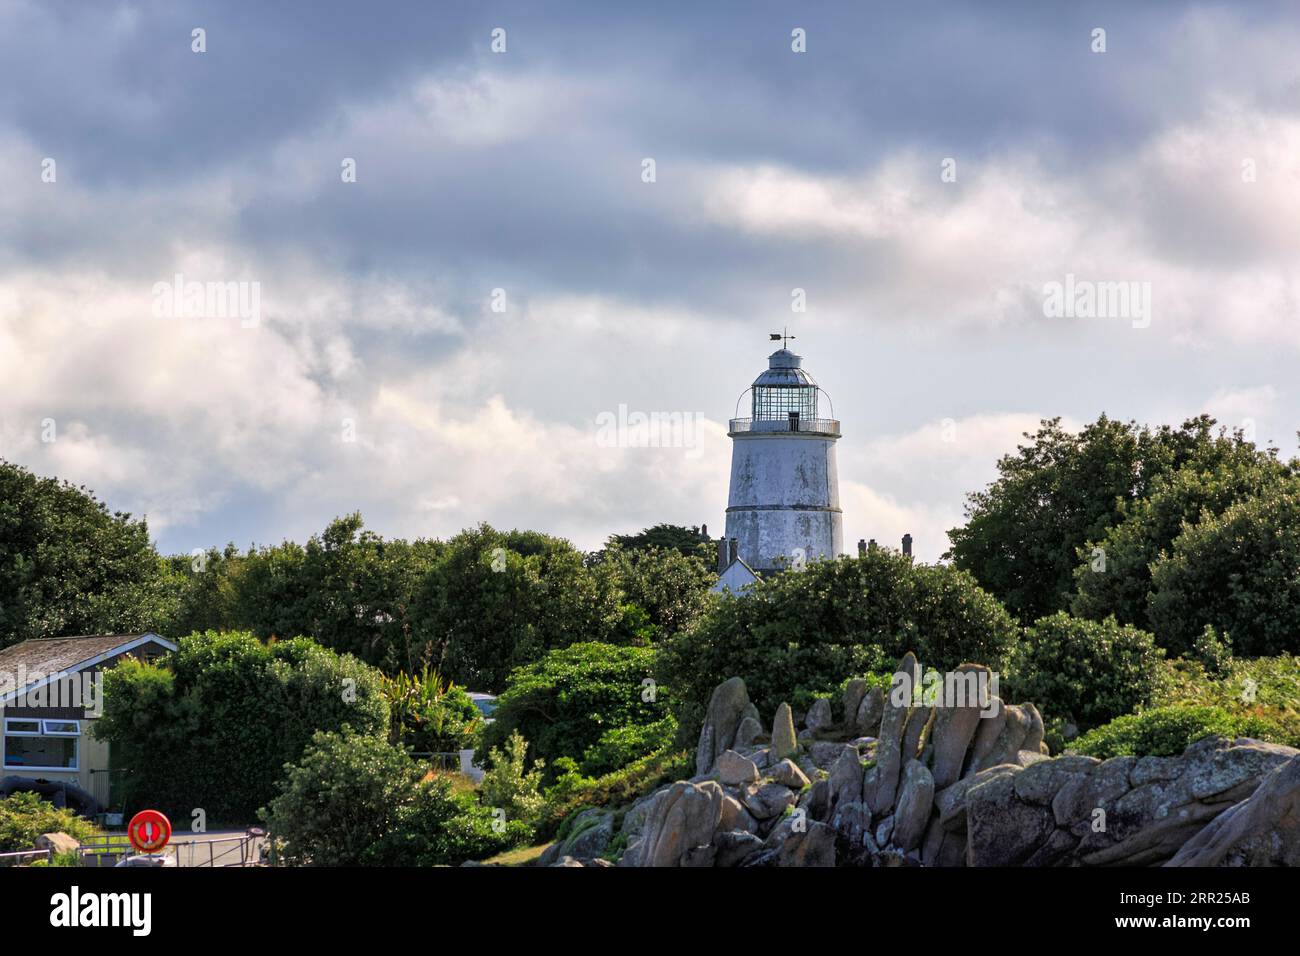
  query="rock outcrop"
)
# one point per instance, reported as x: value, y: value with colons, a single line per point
x: 727, y: 709
x: 904, y: 779
x: 679, y: 827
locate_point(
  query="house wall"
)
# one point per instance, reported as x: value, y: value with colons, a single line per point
x: 92, y: 754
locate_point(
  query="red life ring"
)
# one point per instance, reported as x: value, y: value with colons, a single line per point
x: 149, y: 831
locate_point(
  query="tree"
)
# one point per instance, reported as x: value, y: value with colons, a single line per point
x: 1229, y: 470
x: 1238, y: 572
x: 1058, y: 492
x: 803, y: 632
x: 670, y: 587
x: 496, y: 600
x: 563, y: 703
x: 211, y: 726
x: 206, y: 591
x: 348, y: 588
x: 688, y: 542
x: 70, y: 566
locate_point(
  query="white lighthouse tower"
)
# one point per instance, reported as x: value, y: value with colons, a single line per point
x: 783, y: 509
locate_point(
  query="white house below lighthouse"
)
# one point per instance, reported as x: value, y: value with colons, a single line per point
x: 783, y: 509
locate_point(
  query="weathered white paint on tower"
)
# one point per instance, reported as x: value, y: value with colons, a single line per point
x: 784, y: 503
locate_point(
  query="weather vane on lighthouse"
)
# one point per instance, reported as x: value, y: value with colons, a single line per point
x: 783, y: 336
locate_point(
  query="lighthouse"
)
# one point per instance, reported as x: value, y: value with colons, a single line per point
x: 783, y: 508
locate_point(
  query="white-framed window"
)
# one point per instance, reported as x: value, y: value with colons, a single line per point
x: 32, y: 744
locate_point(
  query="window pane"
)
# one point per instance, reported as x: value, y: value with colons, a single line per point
x: 22, y: 726
x: 40, y: 751
x: 62, y: 727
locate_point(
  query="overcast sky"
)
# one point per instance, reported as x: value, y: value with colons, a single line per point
x: 377, y: 375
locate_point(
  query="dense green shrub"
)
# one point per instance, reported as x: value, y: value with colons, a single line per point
x: 1257, y: 684
x: 572, y: 791
x: 25, y: 816
x: 428, y: 714
x: 509, y: 784
x: 801, y: 633
x: 356, y: 800
x: 620, y: 746
x: 212, y: 725
x: 563, y: 703
x: 1084, y: 672
x: 1239, y: 572
x: 1168, y: 731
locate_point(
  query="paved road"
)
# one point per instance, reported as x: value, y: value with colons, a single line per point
x: 215, y: 848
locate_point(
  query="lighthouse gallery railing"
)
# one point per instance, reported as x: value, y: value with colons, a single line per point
x: 814, y: 426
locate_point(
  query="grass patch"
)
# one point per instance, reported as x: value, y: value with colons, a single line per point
x: 519, y: 856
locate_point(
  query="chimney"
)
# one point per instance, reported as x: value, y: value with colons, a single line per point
x: 907, y: 545
x: 862, y: 547
x: 735, y: 549
x: 704, y: 532
x: 871, y: 545
x: 722, y: 555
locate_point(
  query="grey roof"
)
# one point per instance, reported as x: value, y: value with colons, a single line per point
x: 784, y: 371
x: 45, y: 655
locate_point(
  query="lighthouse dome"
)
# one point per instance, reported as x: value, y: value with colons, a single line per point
x: 784, y: 388
x: 784, y: 369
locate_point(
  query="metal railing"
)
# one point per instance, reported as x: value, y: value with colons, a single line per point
x: 811, y: 426
x: 236, y: 850
x: 25, y: 857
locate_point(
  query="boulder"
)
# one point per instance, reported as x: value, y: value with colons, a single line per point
x: 683, y: 817
x: 736, y: 817
x: 853, y: 821
x: 588, y: 836
x: 870, y: 710
x: 59, y: 842
x: 1000, y: 830
x: 784, y: 742
x: 788, y: 774
x: 748, y: 731
x: 986, y: 736
x: 955, y: 723
x: 918, y: 721
x: 824, y: 753
x: 819, y: 715
x: 915, y: 800
x: 854, y: 691
x: 1262, y: 830
x: 1034, y: 734
x: 813, y: 846
x: 735, y: 847
x: 1006, y: 746
x: 951, y: 801
x: 735, y: 770
x: 727, y: 707
x: 889, y: 746
x: 845, y: 781
x: 816, y: 800
x: 767, y: 800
